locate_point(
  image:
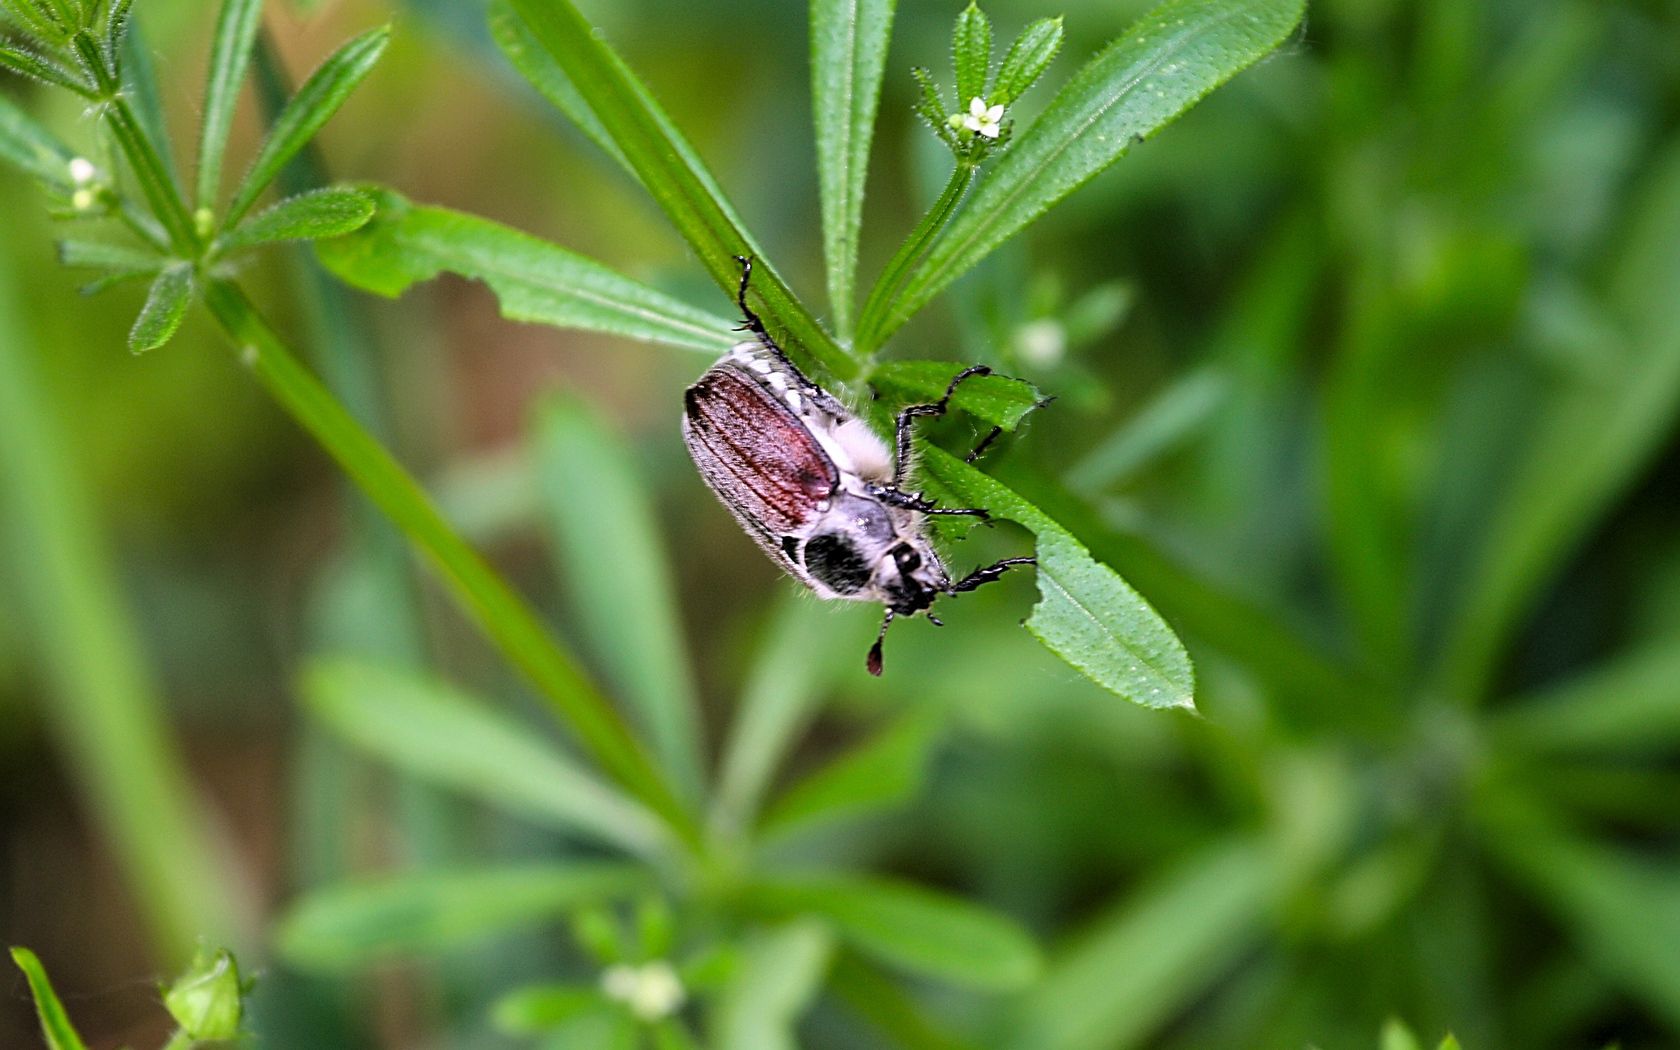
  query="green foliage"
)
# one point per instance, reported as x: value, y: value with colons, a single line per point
x: 207, y: 1002
x: 305, y: 217
x: 165, y: 309
x: 55, y: 1023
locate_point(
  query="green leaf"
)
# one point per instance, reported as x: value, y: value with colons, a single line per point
x: 1159, y: 950
x: 30, y: 148
x: 208, y: 1001
x: 971, y: 54
x: 539, y: 1008
x: 777, y: 978
x: 1396, y: 1036
x: 930, y: 107
x: 883, y: 771
x: 618, y: 579
x: 909, y: 926
x: 166, y: 306
x: 1629, y: 705
x: 534, y: 280
x: 141, y: 84
x: 1159, y: 68
x: 849, y: 40
x: 55, y: 1023
x: 673, y: 175
x: 445, y: 737
x: 354, y: 925
x: 1087, y: 614
x: 315, y: 103
x: 514, y: 38
x: 230, y: 56
x: 1026, y: 60
x: 308, y: 216
x: 102, y: 255
x: 39, y: 67
x: 1450, y: 1042
x: 998, y: 400
x: 1167, y: 421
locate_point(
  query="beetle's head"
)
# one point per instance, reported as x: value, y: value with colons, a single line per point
x: 911, y: 576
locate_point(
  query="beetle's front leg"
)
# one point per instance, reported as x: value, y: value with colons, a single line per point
x: 989, y: 574
x: 909, y: 414
x: 895, y: 497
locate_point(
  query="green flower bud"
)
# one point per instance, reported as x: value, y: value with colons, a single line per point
x: 208, y: 1000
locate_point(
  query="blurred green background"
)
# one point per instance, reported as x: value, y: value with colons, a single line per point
x: 1367, y: 369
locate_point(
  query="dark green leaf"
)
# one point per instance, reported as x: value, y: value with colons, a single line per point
x: 349, y: 926
x: 308, y: 216
x: 1171, y: 417
x: 909, y: 926
x: 529, y: 1011
x: 1086, y: 614
x: 971, y: 54
x: 1026, y: 61
x: 534, y: 280
x: 998, y: 400
x: 883, y: 771
x: 778, y: 976
x: 39, y: 67
x: 166, y: 305
x: 55, y: 1023
x: 672, y: 173
x: 29, y: 147
x: 314, y: 104
x: 443, y: 736
x: 618, y: 579
x: 1138, y: 85
x: 930, y: 107
x: 849, y: 41
x: 230, y: 56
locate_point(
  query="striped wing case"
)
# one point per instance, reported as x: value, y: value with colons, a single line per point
x: 757, y: 455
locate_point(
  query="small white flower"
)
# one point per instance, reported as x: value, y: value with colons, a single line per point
x: 652, y: 991
x: 1042, y: 342
x: 82, y: 171
x: 981, y: 119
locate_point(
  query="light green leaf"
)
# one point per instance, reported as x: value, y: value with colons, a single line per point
x: 443, y: 736
x: 102, y: 255
x: 30, y: 148
x: 1026, y: 61
x: 38, y: 67
x: 1630, y: 704
x: 618, y: 580
x: 1086, y: 614
x: 883, y: 771
x: 778, y: 976
x: 534, y: 280
x: 539, y: 1008
x: 910, y: 926
x: 55, y: 1023
x: 849, y: 40
x: 1396, y: 1036
x: 309, y: 216
x: 1160, y: 949
x: 1449, y: 1043
x: 230, y: 56
x: 995, y: 399
x: 514, y: 39
x: 315, y: 103
x: 1159, y: 68
x: 141, y: 83
x: 166, y: 306
x: 353, y: 925
x: 1169, y: 418
x: 673, y: 175
x: 971, y: 54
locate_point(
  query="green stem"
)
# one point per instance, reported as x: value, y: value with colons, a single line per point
x: 898, y: 268
x: 152, y: 174
x: 506, y: 618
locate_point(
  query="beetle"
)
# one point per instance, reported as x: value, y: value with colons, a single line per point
x: 815, y: 487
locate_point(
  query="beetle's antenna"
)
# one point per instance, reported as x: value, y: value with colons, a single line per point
x: 874, y: 660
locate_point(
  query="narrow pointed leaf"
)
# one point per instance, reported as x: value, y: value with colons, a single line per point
x: 30, y: 148
x: 60, y: 1034
x: 998, y: 400
x: 306, y: 217
x: 357, y: 924
x: 166, y: 306
x: 910, y: 927
x: 618, y: 579
x: 1028, y: 58
x: 535, y: 280
x: 447, y: 738
x: 777, y: 979
x: 101, y: 255
x: 1086, y: 614
x: 141, y: 83
x: 673, y: 175
x: 314, y: 104
x: 530, y: 1011
x: 849, y: 41
x: 230, y: 57
x: 971, y: 54
x: 1137, y: 86
x: 37, y: 67
x: 884, y: 771
x: 1630, y: 704
x: 537, y: 66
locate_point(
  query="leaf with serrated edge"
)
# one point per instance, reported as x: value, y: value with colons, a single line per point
x: 996, y: 399
x: 166, y: 306
x: 1027, y: 59
x: 535, y: 280
x: 1086, y: 614
x: 1138, y: 85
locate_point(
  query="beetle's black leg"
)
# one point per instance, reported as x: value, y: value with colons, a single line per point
x: 910, y: 413
x: 894, y: 497
x: 873, y: 662
x: 754, y: 324
x: 985, y: 442
x: 989, y: 574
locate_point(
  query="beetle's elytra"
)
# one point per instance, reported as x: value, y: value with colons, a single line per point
x: 814, y: 486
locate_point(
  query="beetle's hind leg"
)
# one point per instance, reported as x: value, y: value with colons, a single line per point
x: 990, y: 574
x: 908, y: 415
